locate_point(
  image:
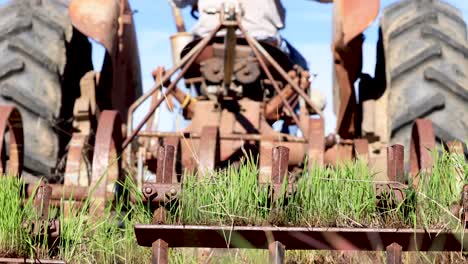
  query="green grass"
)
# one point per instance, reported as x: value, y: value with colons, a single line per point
x: 340, y: 196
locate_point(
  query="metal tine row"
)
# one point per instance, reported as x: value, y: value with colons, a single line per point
x: 280, y: 158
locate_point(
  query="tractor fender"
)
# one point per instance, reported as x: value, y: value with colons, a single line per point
x: 110, y: 23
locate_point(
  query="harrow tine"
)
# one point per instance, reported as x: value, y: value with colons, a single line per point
x: 208, y: 151
x: 316, y: 140
x: 280, y: 164
x: 394, y: 254
x: 395, y: 163
x: 276, y: 252
x: 266, y: 146
x: 361, y: 149
x: 160, y: 252
x: 165, y: 166
x: 42, y: 201
x: 422, y: 143
x: 106, y: 159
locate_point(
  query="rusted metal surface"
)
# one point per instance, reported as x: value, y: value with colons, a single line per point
x: 106, y: 160
x: 266, y: 166
x: 352, y: 17
x: 165, y: 167
x: 464, y: 204
x: 394, y: 254
x: 11, y: 121
x: 159, y: 193
x: 280, y: 160
x: 276, y: 252
x: 97, y: 19
x: 395, y: 163
x: 59, y: 191
x: 185, y: 64
x: 225, y: 136
x: 422, y: 145
x: 76, y: 170
x: 301, y: 238
x: 208, y: 150
x: 33, y: 261
x: 42, y: 224
x: 316, y: 147
x: 160, y: 252
x: 361, y: 149
x: 395, y: 188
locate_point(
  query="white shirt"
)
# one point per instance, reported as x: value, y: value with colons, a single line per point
x: 261, y: 18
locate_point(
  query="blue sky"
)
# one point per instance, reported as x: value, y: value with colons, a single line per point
x: 308, y: 28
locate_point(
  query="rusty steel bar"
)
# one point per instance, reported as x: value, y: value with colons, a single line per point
x: 106, y: 159
x: 160, y: 252
x: 422, y: 143
x: 33, y: 261
x: 75, y: 171
x: 361, y: 149
x: 276, y: 252
x: 394, y: 254
x: 42, y: 201
x: 395, y: 163
x: 279, y: 167
x: 302, y: 238
x: 188, y: 61
x: 257, y: 46
x: 272, y: 80
x: 59, y: 191
x: 255, y: 137
x: 165, y: 165
x: 464, y: 204
x: 208, y: 149
x: 316, y: 139
x: 10, y: 118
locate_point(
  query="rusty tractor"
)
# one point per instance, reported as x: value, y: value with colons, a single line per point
x: 83, y: 138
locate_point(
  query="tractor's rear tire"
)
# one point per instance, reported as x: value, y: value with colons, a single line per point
x: 42, y: 60
x: 425, y: 52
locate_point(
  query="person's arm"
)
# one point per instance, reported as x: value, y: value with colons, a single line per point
x: 184, y: 3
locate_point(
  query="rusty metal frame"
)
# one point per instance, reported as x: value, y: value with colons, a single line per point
x: 106, y: 160
x: 10, y: 118
x: 302, y: 238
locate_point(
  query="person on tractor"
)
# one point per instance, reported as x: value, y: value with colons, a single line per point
x: 263, y: 19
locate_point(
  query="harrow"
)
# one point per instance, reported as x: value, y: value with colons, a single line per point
x: 243, y: 87
x: 160, y: 236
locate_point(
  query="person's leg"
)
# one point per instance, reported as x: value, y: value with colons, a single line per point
x: 294, y: 55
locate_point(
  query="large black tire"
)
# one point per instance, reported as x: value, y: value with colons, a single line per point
x: 42, y: 60
x: 426, y: 68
